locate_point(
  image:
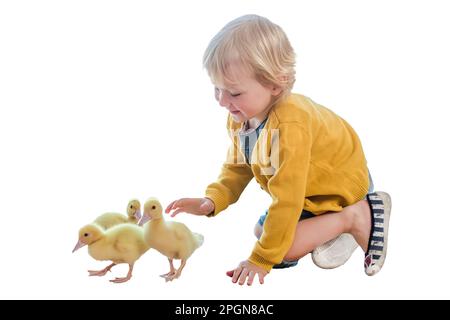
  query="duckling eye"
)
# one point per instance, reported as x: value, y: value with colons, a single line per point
x: 131, y: 206
x: 86, y: 234
x: 153, y: 207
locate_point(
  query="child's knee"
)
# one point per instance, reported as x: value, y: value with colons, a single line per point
x: 291, y: 256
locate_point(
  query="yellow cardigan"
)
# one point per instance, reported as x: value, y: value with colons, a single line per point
x: 306, y: 157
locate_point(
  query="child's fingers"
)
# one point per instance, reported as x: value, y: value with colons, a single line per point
x: 177, y: 212
x: 261, y: 278
x: 169, y: 207
x: 236, y: 274
x: 243, y: 276
x: 178, y: 204
x: 251, y: 276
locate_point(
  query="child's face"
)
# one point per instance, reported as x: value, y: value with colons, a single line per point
x: 245, y: 98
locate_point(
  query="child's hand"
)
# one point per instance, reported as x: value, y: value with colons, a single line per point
x: 197, y: 206
x: 247, y: 269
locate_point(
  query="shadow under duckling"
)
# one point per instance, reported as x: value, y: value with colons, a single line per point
x: 172, y: 239
x: 123, y: 243
x: 111, y: 219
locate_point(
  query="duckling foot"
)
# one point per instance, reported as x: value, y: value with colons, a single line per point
x: 177, y: 274
x: 168, y: 274
x: 172, y: 277
x: 171, y: 272
x: 124, y: 279
x: 101, y: 273
x: 120, y: 280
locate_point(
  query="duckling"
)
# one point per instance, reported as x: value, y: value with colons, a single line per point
x: 110, y: 219
x: 123, y: 243
x: 172, y: 239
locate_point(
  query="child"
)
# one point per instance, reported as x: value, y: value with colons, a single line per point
x: 307, y: 158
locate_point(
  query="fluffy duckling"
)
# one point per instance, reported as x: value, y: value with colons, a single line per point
x: 123, y: 243
x: 172, y: 239
x: 110, y: 219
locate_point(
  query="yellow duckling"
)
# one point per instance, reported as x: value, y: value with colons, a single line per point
x: 110, y: 219
x: 123, y: 243
x: 172, y: 239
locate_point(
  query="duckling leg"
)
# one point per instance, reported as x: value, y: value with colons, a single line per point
x: 124, y: 279
x: 177, y: 274
x: 172, y: 270
x: 102, y: 272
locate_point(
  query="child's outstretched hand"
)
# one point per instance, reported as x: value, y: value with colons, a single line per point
x: 245, y: 270
x: 197, y: 206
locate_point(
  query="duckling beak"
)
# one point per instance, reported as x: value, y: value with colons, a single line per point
x: 143, y: 220
x: 137, y: 215
x: 78, y: 246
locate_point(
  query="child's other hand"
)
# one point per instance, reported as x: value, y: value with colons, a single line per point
x: 197, y: 206
x: 245, y: 270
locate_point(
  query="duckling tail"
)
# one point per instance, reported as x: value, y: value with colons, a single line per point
x: 198, y: 239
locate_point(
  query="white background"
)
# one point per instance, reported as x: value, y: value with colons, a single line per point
x: 102, y: 101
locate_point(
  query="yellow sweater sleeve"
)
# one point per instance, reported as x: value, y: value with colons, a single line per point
x: 287, y: 188
x: 234, y: 177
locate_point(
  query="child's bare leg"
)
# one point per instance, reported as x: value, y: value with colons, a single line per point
x: 361, y: 225
x: 313, y: 232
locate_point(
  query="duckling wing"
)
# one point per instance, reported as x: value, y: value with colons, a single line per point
x: 186, y: 239
x: 128, y: 242
x: 110, y: 219
x: 180, y: 230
